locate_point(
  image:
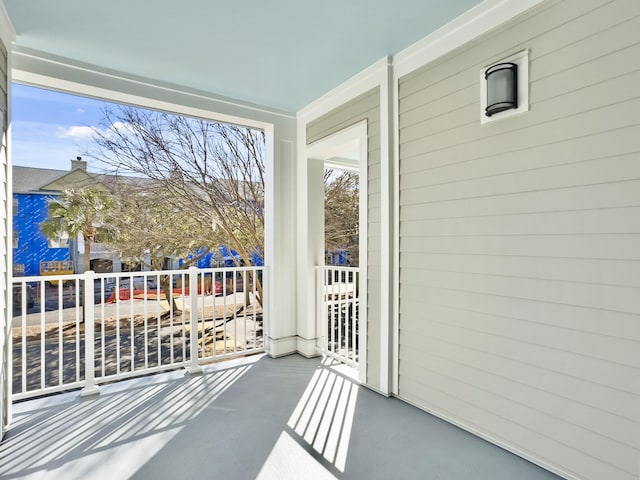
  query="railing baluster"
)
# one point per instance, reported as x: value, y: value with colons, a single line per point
x: 194, y: 367
x: 158, y: 313
x: 235, y: 311
x: 184, y: 328
x: 78, y: 321
x: 42, y: 335
x: 132, y: 353
x: 23, y: 320
x: 103, y: 341
x: 255, y: 306
x: 117, y: 325
x: 89, y: 345
x: 245, y: 296
x: 224, y: 315
x: 60, y: 336
x: 146, y: 327
x: 356, y: 305
x: 203, y: 318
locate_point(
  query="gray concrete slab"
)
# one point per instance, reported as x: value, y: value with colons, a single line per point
x: 251, y: 418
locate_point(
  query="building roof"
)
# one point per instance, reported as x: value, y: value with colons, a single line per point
x: 49, y: 181
x: 31, y: 179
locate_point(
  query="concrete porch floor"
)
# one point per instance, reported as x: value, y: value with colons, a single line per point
x: 251, y: 418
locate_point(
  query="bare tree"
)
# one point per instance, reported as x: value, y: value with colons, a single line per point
x: 341, y: 206
x: 146, y: 230
x: 207, y: 173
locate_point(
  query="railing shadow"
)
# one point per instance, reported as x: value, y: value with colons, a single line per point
x: 288, y: 418
x: 56, y: 434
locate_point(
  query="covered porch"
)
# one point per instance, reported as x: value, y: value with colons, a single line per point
x: 499, y: 274
x: 255, y: 417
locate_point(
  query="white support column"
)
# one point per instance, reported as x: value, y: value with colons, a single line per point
x: 314, y: 256
x: 194, y: 365
x: 90, y: 387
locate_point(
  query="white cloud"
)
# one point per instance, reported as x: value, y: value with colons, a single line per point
x: 75, y: 131
x: 80, y: 110
x: 83, y: 132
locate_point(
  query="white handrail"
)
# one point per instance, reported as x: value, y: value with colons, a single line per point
x: 338, y: 307
x: 138, y: 328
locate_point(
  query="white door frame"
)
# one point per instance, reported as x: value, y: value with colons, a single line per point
x: 338, y: 150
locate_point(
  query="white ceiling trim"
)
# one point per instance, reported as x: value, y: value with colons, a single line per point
x: 369, y: 78
x: 474, y: 22
x: 39, y: 69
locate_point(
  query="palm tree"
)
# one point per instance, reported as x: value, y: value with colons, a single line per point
x: 79, y: 211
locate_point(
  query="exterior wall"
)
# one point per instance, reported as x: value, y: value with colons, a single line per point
x: 364, y: 107
x: 519, y: 243
x: 4, y: 228
x: 33, y: 246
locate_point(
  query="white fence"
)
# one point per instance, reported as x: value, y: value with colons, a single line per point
x: 130, y: 324
x: 338, y: 312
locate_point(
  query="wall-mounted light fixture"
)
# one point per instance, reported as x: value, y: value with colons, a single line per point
x: 502, y: 88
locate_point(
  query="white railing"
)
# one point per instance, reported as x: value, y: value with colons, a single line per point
x: 338, y: 312
x: 138, y: 323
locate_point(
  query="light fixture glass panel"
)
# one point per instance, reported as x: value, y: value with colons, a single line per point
x: 502, y: 93
x: 500, y: 87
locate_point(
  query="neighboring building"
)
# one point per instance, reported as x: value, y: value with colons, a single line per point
x: 33, y: 253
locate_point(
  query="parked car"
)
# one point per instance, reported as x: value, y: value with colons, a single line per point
x: 17, y: 298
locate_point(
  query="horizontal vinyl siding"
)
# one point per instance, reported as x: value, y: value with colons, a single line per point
x: 4, y: 392
x: 364, y: 107
x: 520, y: 241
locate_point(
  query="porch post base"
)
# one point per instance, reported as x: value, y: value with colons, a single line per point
x: 308, y: 347
x: 279, y: 347
x: 89, y: 391
x: 195, y: 370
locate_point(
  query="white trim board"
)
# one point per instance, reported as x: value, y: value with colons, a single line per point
x: 471, y: 24
x: 360, y: 83
x: 7, y: 32
x: 48, y: 71
x: 6, y: 357
x: 387, y: 173
x: 379, y: 75
x: 327, y: 149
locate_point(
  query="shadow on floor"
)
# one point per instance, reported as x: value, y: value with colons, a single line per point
x: 289, y: 418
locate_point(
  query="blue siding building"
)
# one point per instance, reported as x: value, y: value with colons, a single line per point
x: 33, y: 188
x: 30, y: 246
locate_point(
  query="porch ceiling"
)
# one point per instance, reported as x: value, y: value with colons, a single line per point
x: 281, y: 54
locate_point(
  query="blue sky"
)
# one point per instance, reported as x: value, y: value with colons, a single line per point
x: 50, y: 128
